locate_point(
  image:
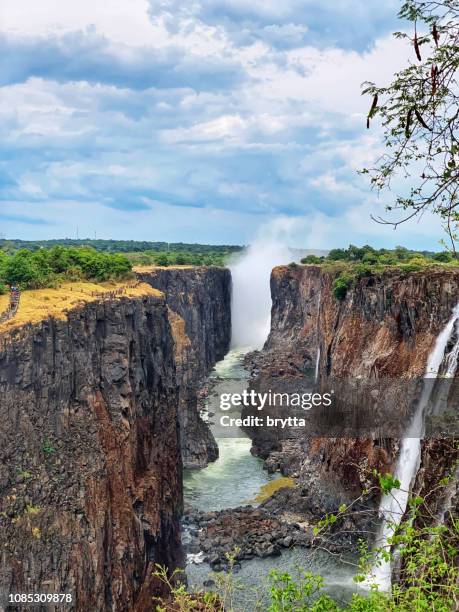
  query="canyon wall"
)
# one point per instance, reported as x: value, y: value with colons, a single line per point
x: 90, y: 469
x: 95, y: 406
x: 381, y: 333
x: 199, y: 300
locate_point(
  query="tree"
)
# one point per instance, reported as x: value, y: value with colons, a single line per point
x: 419, y: 111
x: 162, y: 260
x: 337, y: 254
x: 311, y: 259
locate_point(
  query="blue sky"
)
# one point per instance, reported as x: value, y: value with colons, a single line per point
x: 200, y: 121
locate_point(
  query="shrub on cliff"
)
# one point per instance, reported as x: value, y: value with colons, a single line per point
x: 312, y: 259
x: 415, y: 264
x: 341, y: 284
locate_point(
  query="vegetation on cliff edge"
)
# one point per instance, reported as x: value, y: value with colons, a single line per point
x: 355, y: 262
x: 49, y: 267
x: 426, y: 551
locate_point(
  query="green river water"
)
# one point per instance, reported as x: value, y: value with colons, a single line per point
x: 234, y: 480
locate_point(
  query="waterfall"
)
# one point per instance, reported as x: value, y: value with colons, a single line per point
x: 316, y: 374
x: 394, y: 504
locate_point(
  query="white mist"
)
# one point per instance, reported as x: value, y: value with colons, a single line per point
x: 251, y: 301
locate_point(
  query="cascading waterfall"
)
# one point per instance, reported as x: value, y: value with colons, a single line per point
x: 316, y: 373
x: 394, y: 504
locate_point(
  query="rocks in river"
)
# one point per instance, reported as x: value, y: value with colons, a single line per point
x: 230, y: 536
x: 287, y: 542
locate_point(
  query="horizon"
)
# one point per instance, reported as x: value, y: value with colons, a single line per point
x: 209, y: 244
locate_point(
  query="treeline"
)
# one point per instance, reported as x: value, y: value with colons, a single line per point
x: 180, y: 258
x: 353, y: 263
x: 385, y: 257
x: 47, y: 267
x: 120, y: 246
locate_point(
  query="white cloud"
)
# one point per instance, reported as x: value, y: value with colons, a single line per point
x: 287, y: 136
x: 119, y: 21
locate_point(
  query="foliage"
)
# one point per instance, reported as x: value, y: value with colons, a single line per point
x: 312, y: 259
x: 354, y: 263
x: 48, y: 447
x: 179, y: 258
x: 367, y: 254
x: 47, y: 267
x: 387, y: 482
x: 340, y: 286
x: 419, y: 112
x: 428, y: 569
x: 120, y: 246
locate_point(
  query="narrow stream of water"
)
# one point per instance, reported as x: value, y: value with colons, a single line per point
x: 234, y: 480
x: 237, y: 476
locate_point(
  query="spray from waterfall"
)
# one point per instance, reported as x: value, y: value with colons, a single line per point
x: 394, y: 504
x: 251, y: 301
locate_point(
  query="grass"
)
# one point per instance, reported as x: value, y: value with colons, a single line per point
x: 151, y: 267
x: 39, y: 304
x: 4, y: 302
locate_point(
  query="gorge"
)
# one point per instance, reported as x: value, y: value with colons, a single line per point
x: 100, y: 413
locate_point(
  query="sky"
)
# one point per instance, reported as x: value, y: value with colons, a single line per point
x: 209, y: 121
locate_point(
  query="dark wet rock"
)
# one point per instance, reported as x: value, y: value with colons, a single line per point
x: 239, y: 534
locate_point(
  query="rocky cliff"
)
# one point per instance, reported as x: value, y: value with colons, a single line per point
x: 90, y: 469
x: 381, y: 333
x: 199, y: 301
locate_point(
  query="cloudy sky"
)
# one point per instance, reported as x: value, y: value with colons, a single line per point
x: 194, y: 120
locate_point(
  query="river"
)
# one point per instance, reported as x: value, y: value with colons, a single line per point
x: 234, y: 480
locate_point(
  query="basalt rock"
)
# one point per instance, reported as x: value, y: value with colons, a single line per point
x: 199, y: 301
x: 94, y: 409
x: 235, y: 535
x: 371, y: 350
x: 90, y: 468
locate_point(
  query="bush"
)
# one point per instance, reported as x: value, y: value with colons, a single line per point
x: 162, y: 260
x: 312, y: 259
x: 180, y: 260
x: 341, y: 285
x: 337, y: 255
x: 444, y: 257
x: 415, y: 264
x: 46, y: 267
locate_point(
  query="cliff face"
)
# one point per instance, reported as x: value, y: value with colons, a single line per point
x: 90, y: 469
x: 386, y: 326
x: 199, y: 301
x: 382, y: 332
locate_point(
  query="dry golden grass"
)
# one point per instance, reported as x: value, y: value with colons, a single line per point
x: 37, y: 305
x: 4, y: 302
x: 181, y: 340
x: 151, y: 268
